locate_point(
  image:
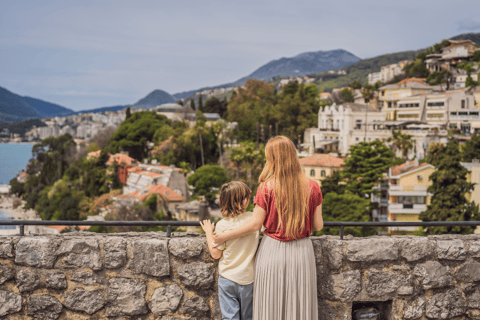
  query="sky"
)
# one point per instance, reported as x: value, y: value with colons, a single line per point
x: 88, y: 54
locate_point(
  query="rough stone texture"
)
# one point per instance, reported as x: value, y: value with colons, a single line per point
x: 115, y: 252
x: 415, y: 310
x: 326, y: 311
x: 36, y: 252
x: 27, y: 280
x: 343, y: 286
x: 80, y: 253
x: 9, y: 303
x: 317, y: 249
x: 151, y: 257
x: 86, y: 277
x: 54, y: 279
x: 6, y: 248
x: 446, y: 305
x: 432, y: 274
x: 469, y: 272
x: 372, y: 249
x: 195, y: 307
x: 196, y: 274
x: 126, y: 297
x: 44, y: 307
x: 334, y: 253
x: 451, y: 250
x: 474, y: 249
x: 166, y: 299
x: 405, y: 290
x: 84, y: 300
x: 416, y: 249
x: 6, y: 273
x: 474, y: 299
x: 380, y: 283
x: 184, y: 248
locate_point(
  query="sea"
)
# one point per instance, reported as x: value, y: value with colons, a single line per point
x: 14, y: 158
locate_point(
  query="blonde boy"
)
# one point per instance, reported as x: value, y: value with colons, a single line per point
x: 236, y: 265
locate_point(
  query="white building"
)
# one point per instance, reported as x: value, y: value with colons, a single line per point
x: 388, y: 73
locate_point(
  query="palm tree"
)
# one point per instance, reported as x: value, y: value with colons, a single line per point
x: 401, y: 142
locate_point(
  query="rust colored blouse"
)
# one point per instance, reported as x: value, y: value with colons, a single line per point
x: 265, y: 198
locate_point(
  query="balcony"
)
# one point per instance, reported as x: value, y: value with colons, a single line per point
x: 384, y: 202
x: 399, y: 208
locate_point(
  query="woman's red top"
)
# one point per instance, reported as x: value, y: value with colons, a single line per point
x: 265, y: 198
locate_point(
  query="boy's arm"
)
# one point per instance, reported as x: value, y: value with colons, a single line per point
x: 208, y: 227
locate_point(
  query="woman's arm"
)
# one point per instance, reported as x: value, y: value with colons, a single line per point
x: 254, y: 224
x: 318, y: 219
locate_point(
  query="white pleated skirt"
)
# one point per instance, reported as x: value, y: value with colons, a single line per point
x: 285, y: 286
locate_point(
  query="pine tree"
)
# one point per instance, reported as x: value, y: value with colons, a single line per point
x: 192, y: 104
x: 200, y: 104
x: 128, y: 113
x: 472, y: 148
x: 449, y: 188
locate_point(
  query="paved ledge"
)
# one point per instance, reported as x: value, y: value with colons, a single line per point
x: 149, y: 276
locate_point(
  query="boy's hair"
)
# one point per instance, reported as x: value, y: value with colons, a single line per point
x: 232, y: 196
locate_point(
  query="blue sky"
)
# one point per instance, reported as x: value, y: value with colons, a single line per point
x: 88, y: 54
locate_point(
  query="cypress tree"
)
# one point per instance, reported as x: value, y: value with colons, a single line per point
x: 449, y: 188
x: 128, y: 113
x: 200, y: 104
x: 192, y: 104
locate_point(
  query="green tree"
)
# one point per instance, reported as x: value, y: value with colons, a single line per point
x: 472, y: 148
x: 214, y: 105
x: 134, y: 133
x: 368, y: 92
x: 128, y: 113
x: 151, y: 202
x: 417, y: 69
x: 377, y: 85
x: 355, y: 84
x: 365, y: 166
x: 333, y: 183
x: 470, y: 83
x: 207, y: 179
x: 476, y: 56
x: 402, y: 142
x: 192, y: 104
x: 346, y: 207
x: 179, y: 102
x: 449, y: 188
x: 436, y: 77
x: 200, y: 104
x: 94, y: 175
x: 347, y: 95
x: 249, y: 157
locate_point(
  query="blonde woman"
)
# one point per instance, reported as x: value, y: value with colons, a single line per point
x: 288, y: 205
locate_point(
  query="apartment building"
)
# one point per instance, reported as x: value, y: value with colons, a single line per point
x: 453, y: 53
x: 320, y: 166
x: 388, y: 73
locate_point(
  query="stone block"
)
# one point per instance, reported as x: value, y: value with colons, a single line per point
x: 9, y: 303
x: 166, y: 299
x: 54, y: 279
x: 372, y: 249
x: 415, y: 310
x: 80, y: 253
x: 115, y: 252
x: 343, y: 286
x: 474, y: 249
x: 469, y: 272
x: 126, y: 297
x: 185, y: 248
x: 27, y: 280
x: 198, y: 275
x: 86, y: 277
x: 451, y: 250
x: 44, y: 307
x: 474, y: 299
x: 335, y: 253
x: 151, y: 257
x: 317, y: 250
x: 84, y: 300
x: 195, y: 307
x: 414, y: 249
x: 446, y: 305
x: 432, y: 274
x: 6, y: 273
x: 381, y: 283
x: 36, y: 252
x: 6, y: 248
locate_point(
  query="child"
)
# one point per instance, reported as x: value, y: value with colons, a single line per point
x: 235, y: 281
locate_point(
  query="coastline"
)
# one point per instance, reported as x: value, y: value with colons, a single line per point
x: 6, y: 206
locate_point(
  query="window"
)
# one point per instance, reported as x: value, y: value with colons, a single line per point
x: 322, y: 173
x: 356, y: 139
x: 463, y: 104
x: 453, y: 113
x: 389, y: 104
x: 435, y: 104
x: 312, y: 173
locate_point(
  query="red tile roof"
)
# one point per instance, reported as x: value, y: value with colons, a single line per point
x: 95, y: 154
x: 400, y: 169
x: 152, y: 174
x: 322, y: 160
x: 122, y: 159
x: 163, y: 191
x: 419, y: 80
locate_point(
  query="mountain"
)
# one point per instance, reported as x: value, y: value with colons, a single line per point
x: 302, y: 64
x: 475, y: 37
x: 153, y: 99
x: 14, y: 108
x: 103, y: 109
x: 48, y: 109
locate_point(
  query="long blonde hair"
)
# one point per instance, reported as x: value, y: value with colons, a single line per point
x: 284, y: 174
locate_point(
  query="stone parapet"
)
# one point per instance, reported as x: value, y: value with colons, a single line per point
x: 149, y: 276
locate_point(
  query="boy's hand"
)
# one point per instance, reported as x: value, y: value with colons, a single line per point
x: 218, y: 239
x: 207, y: 226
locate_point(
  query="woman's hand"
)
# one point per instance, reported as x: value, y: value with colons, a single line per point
x: 219, y: 238
x: 207, y: 226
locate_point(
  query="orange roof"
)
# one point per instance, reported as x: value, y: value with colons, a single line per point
x: 121, y: 158
x: 22, y: 175
x: 322, y: 160
x: 419, y: 80
x: 401, y: 168
x: 134, y: 169
x: 94, y: 154
x: 163, y: 191
x: 325, y: 94
x: 153, y: 174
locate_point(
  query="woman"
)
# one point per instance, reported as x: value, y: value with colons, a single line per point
x: 289, y: 206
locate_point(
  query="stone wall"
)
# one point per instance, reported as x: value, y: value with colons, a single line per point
x: 150, y: 276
